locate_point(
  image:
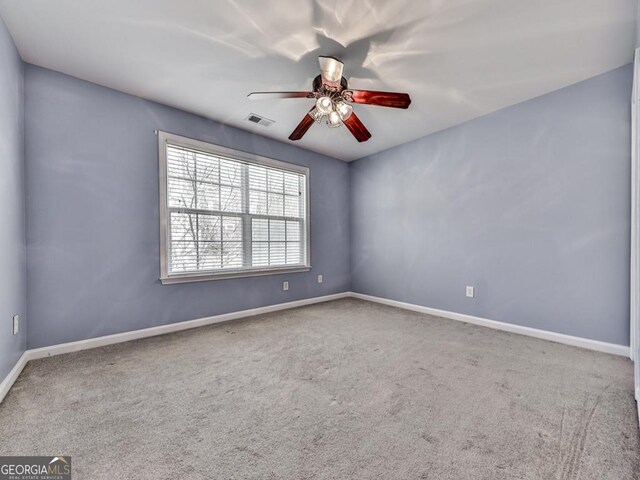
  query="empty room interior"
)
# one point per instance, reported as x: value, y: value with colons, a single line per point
x: 319, y: 239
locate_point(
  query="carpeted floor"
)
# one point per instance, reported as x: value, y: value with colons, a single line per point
x: 340, y: 390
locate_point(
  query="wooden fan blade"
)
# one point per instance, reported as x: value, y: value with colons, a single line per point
x: 272, y: 95
x: 357, y: 128
x: 302, y: 127
x: 382, y: 99
x: 331, y: 70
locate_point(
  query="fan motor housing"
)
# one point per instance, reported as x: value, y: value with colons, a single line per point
x: 319, y: 86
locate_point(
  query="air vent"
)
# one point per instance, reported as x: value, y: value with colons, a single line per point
x: 253, y: 118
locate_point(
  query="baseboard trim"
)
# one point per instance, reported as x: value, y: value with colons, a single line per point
x: 596, y: 345
x: 43, y: 352
x: 96, y: 342
x: 13, y: 375
x: 90, y: 343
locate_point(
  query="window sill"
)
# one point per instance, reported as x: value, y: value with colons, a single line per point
x: 207, y: 277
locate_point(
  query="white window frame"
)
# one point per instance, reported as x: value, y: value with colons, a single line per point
x: 166, y: 277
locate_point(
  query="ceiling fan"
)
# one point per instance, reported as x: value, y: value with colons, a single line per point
x: 333, y: 101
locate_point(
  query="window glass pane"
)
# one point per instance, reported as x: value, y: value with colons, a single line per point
x: 293, y: 231
x: 275, y: 179
x: 183, y: 256
x: 231, y: 254
x: 303, y: 192
x: 257, y: 202
x: 230, y: 199
x: 209, y: 228
x: 259, y: 254
x: 183, y: 226
x: 230, y: 172
x: 291, y: 206
x: 293, y: 253
x: 210, y: 255
x: 181, y: 193
x: 180, y: 163
x: 260, y: 229
x: 232, y: 229
x: 291, y: 186
x: 257, y: 178
x: 276, y: 204
x: 276, y: 253
x: 208, y: 196
x: 276, y: 230
x: 207, y: 168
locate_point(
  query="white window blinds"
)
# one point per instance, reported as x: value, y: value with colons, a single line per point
x: 226, y: 214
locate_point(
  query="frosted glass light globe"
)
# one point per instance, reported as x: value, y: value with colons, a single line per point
x: 324, y: 105
x: 334, y: 119
x: 344, y: 110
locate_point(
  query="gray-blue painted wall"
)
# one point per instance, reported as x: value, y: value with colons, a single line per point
x: 12, y: 227
x: 92, y: 215
x: 529, y: 204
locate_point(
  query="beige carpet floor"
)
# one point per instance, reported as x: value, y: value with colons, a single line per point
x: 341, y: 390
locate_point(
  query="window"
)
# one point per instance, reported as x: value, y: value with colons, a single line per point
x: 225, y: 213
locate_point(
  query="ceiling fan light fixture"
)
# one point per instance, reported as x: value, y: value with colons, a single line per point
x: 344, y: 110
x: 333, y: 99
x: 334, y: 119
x: 324, y: 105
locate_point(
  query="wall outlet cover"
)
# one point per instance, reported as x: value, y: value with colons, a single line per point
x: 285, y: 286
x: 470, y: 292
x: 319, y: 278
x: 16, y: 324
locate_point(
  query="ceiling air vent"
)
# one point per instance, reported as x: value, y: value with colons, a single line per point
x: 253, y: 118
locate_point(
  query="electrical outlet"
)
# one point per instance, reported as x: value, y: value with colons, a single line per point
x: 16, y: 324
x: 319, y: 278
x: 285, y: 286
x: 470, y: 292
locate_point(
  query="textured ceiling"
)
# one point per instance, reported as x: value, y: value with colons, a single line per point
x: 458, y: 59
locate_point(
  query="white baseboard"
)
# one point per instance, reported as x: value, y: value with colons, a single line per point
x: 43, y: 352
x: 70, y: 347
x: 605, y: 347
x: 10, y: 379
x: 52, y: 350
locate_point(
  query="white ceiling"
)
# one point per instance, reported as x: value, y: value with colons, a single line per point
x: 458, y: 59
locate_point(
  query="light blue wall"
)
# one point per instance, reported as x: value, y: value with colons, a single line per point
x: 529, y: 204
x: 12, y: 228
x: 92, y: 215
